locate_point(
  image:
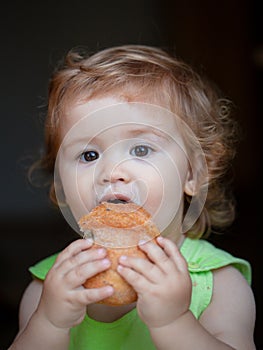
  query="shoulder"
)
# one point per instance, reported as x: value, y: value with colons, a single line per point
x: 234, y: 306
x: 32, y: 293
x: 230, y: 286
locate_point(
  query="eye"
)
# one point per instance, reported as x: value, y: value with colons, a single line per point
x: 141, y: 151
x: 89, y: 156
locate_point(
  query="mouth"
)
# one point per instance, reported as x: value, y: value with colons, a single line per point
x: 116, y: 199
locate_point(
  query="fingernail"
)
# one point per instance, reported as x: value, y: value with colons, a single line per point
x: 101, y: 251
x: 141, y: 242
x: 119, y: 268
x: 106, y: 262
x: 123, y: 258
x: 109, y: 289
x: 89, y: 240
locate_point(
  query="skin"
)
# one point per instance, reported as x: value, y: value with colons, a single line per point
x: 48, y: 310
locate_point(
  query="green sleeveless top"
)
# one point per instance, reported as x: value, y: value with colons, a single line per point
x: 129, y: 332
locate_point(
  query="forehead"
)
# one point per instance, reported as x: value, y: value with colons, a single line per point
x: 101, y: 115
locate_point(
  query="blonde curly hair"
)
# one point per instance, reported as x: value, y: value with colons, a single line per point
x: 141, y: 73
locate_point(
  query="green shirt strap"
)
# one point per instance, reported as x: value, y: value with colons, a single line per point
x: 40, y: 269
x: 203, y: 256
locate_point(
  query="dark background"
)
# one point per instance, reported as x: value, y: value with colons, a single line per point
x: 223, y: 39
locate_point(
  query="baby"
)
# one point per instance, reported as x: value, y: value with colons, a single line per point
x: 135, y: 124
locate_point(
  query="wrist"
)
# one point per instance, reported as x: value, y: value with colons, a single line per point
x: 173, y: 334
x: 176, y: 323
x: 40, y: 318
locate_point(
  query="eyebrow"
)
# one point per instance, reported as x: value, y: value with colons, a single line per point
x: 148, y: 130
x: 132, y: 133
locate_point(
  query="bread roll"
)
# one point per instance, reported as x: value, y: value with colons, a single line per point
x: 118, y: 227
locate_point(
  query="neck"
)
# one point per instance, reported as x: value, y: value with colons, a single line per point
x: 106, y: 313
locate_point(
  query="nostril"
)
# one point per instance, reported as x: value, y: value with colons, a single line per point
x: 114, y: 173
x: 113, y: 180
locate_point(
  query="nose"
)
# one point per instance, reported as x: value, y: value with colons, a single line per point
x: 116, y: 175
x: 112, y: 171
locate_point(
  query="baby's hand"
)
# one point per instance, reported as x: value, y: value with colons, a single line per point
x: 64, y: 299
x: 163, y: 283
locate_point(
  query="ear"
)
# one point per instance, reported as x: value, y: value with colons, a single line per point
x: 197, y: 175
x: 190, y: 186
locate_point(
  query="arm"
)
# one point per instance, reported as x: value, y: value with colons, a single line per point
x: 164, y: 292
x: 34, y: 333
x: 234, y: 307
x: 48, y: 310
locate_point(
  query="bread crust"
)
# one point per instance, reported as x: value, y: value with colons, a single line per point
x: 119, y: 228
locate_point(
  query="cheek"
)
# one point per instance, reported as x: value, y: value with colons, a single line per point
x: 77, y: 191
x: 166, y: 203
x: 165, y: 193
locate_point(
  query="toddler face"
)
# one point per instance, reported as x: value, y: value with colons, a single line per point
x: 128, y: 151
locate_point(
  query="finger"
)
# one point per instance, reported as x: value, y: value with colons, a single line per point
x: 82, y: 257
x: 79, y: 274
x: 135, y: 279
x: 143, y: 267
x: 89, y: 296
x: 73, y: 249
x: 158, y: 256
x: 173, y: 252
